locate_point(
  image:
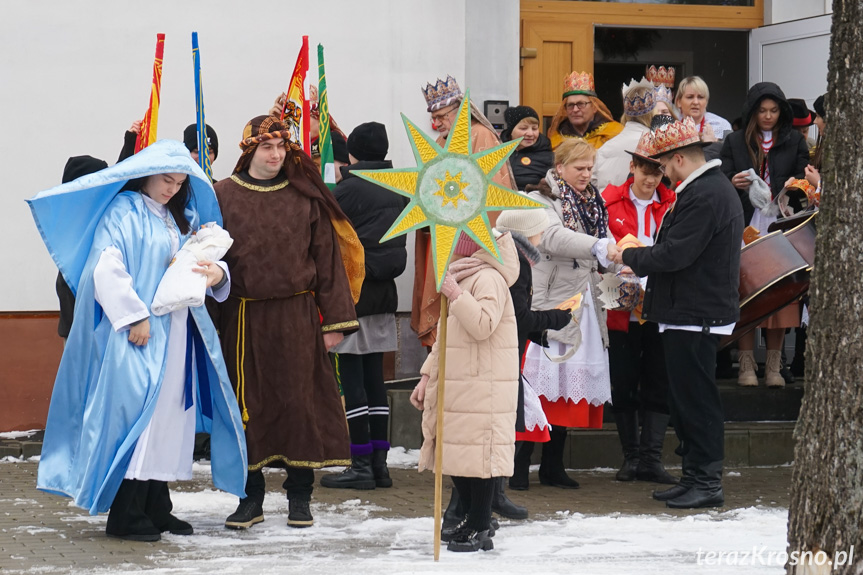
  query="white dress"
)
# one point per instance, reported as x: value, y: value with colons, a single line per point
x: 164, y: 449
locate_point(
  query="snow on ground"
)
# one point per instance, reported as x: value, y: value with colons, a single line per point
x: 18, y: 434
x: 347, y: 537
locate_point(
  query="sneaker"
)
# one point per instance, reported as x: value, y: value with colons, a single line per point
x: 469, y: 540
x: 299, y: 514
x: 248, y: 512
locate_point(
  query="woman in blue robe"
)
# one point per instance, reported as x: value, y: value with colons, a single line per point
x: 132, y: 385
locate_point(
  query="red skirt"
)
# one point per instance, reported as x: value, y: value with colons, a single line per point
x: 565, y: 413
x: 538, y: 435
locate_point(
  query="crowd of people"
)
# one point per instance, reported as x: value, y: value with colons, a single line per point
x: 658, y: 201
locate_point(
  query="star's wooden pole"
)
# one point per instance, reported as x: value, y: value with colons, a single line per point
x: 438, y: 450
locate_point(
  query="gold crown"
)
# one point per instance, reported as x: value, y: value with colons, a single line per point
x: 442, y: 93
x: 663, y: 94
x: 674, y: 136
x: 638, y: 102
x: 579, y: 83
x: 661, y: 75
x: 646, y: 147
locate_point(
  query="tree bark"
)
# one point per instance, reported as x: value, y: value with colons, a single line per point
x: 826, y: 512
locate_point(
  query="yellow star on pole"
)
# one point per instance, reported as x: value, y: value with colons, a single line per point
x: 467, y: 197
x: 451, y: 189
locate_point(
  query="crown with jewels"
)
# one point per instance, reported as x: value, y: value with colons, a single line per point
x: 442, y: 93
x: 638, y: 98
x: 646, y: 148
x: 674, y: 136
x: 579, y: 83
x: 661, y: 75
x: 663, y: 94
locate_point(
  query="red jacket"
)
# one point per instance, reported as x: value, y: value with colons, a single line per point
x: 622, y: 220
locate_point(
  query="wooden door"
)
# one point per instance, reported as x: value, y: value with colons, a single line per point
x: 559, y: 49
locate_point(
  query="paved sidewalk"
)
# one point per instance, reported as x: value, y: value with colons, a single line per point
x: 41, y: 533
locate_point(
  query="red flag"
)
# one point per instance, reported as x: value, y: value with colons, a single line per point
x: 151, y: 120
x: 295, y: 112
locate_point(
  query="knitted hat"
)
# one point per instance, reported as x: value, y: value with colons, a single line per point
x: 525, y: 222
x: 515, y: 114
x: 340, y: 148
x: 78, y: 166
x: 465, y: 246
x: 819, y: 106
x: 190, y: 138
x: 369, y: 142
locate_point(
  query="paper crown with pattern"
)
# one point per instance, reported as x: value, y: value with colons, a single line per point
x: 579, y: 83
x: 674, y: 136
x: 645, y: 148
x: 638, y: 97
x: 442, y: 93
x: 662, y: 94
x: 661, y: 75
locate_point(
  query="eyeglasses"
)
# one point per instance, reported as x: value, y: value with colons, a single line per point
x: 441, y: 115
x: 580, y: 105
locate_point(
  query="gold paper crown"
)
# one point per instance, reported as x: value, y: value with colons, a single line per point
x: 579, y: 83
x: 663, y: 94
x: 674, y: 136
x: 635, y: 104
x: 646, y: 148
x: 442, y: 93
x: 661, y: 75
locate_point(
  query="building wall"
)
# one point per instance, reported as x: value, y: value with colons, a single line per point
x: 77, y: 74
x: 778, y: 11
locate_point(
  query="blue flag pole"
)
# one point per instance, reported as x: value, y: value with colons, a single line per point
x: 203, y: 141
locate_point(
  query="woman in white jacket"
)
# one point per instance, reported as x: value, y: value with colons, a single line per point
x: 574, y: 385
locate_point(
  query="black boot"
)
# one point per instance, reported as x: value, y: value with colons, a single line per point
x: 447, y: 533
x: 650, y: 467
x: 467, y: 540
x: 707, y: 491
x: 159, y: 507
x: 455, y: 512
x: 551, y: 470
x: 358, y: 476
x: 798, y: 364
x: 380, y: 469
x: 299, y: 514
x: 686, y: 483
x: 627, y: 431
x: 127, y: 518
x: 251, y: 509
x: 520, y: 480
x: 502, y: 505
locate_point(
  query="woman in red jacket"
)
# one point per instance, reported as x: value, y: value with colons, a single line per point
x: 639, y: 383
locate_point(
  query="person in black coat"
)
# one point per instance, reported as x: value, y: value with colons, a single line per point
x: 767, y: 116
x: 527, y: 227
x: 76, y: 167
x: 533, y: 157
x: 372, y: 211
x: 693, y: 272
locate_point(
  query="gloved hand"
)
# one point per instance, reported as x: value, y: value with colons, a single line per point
x: 450, y: 287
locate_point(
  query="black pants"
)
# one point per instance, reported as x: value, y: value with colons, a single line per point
x: 475, y: 495
x: 636, y: 361
x: 696, y: 408
x: 366, y: 404
x: 298, y: 485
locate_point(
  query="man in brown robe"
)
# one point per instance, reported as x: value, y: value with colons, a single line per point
x: 291, y: 300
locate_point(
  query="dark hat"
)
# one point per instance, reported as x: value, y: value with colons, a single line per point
x: 190, y: 138
x: 78, y: 166
x: 819, y: 106
x: 803, y: 117
x: 660, y: 120
x: 369, y: 142
x: 512, y: 116
x: 340, y: 148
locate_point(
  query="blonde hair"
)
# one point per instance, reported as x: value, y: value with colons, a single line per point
x: 694, y: 82
x: 573, y: 149
x: 530, y: 121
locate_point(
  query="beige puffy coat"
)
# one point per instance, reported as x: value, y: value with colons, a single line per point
x: 482, y: 366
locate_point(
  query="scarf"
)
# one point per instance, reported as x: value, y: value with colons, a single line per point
x: 584, y: 207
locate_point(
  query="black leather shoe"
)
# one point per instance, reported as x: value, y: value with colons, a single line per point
x: 358, y: 476
x: 698, y: 497
x: 558, y: 478
x: 248, y: 512
x: 299, y: 514
x: 627, y: 471
x: 654, y: 473
x: 127, y: 518
x: 469, y: 540
x: 667, y: 494
x: 176, y: 527
x: 447, y: 533
x: 502, y: 505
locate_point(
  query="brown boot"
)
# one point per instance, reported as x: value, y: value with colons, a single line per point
x: 772, y: 377
x: 746, y: 376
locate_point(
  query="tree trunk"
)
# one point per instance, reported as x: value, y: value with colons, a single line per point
x: 826, y: 511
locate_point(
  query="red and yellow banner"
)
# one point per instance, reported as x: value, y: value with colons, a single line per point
x: 151, y: 120
x: 295, y: 112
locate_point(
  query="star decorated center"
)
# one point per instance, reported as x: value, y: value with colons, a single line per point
x: 451, y: 189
